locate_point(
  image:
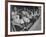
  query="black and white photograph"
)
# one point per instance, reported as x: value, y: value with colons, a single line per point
x: 25, y: 18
